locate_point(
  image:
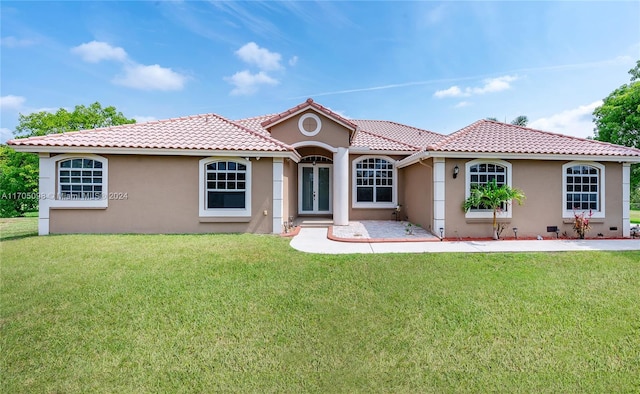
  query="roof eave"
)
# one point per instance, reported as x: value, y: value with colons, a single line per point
x: 293, y: 155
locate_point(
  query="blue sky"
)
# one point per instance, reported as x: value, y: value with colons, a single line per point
x: 438, y: 66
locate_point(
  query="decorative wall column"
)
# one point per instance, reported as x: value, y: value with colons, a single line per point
x: 278, y: 191
x: 341, y: 187
x: 438, y: 195
x: 626, y: 200
x: 46, y: 191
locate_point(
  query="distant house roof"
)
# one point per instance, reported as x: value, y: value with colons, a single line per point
x: 489, y: 136
x: 198, y: 132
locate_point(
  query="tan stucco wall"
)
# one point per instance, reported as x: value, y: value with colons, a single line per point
x: 290, y: 192
x: 162, y: 197
x: 541, y: 182
x: 417, y: 203
x: 331, y: 132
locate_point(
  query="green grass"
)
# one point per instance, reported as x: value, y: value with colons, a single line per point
x: 246, y: 313
x: 11, y: 228
x: 635, y: 216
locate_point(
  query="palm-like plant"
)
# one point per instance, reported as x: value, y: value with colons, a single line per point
x: 492, y: 196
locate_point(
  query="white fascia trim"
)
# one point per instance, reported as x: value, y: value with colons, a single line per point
x: 318, y: 144
x: 309, y: 107
x: 202, y: 190
x: 51, y: 164
x: 413, y: 159
x: 603, y: 190
x: 467, y: 189
x: 520, y: 156
x: 374, y: 205
x: 156, y: 152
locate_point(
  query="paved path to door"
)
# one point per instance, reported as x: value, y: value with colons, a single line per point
x: 314, y: 240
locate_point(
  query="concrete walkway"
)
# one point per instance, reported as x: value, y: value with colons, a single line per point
x: 314, y: 240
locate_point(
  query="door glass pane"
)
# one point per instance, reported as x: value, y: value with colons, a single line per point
x: 307, y: 188
x: 323, y: 189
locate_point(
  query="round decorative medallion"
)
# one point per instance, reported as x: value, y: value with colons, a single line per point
x: 309, y: 124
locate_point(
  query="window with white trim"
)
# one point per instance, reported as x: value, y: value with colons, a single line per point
x: 80, y: 179
x: 480, y: 173
x: 225, y: 187
x: 374, y: 182
x: 583, y: 186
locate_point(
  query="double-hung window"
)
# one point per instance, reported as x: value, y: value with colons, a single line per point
x: 583, y: 188
x: 374, y: 183
x: 80, y: 179
x: 225, y: 187
x: 482, y: 172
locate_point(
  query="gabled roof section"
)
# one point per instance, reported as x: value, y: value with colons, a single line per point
x: 417, y: 138
x: 487, y: 136
x: 198, y: 132
x: 309, y: 104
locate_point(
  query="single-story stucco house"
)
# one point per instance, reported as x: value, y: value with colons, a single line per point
x: 205, y: 173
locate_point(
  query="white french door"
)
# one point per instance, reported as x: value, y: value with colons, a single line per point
x: 314, y: 189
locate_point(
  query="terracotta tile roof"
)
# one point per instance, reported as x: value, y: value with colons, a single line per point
x: 255, y: 123
x: 495, y: 137
x: 301, y: 107
x: 365, y: 139
x: 417, y: 138
x: 206, y: 132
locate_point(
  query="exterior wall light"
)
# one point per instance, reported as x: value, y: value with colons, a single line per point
x: 456, y: 170
x: 515, y: 231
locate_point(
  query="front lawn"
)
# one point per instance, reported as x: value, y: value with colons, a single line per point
x: 246, y: 313
x: 11, y: 228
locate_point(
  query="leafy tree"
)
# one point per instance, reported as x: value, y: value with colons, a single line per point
x: 18, y: 182
x: 521, y: 120
x: 618, y: 119
x: 19, y: 171
x: 492, y: 196
x: 81, y: 118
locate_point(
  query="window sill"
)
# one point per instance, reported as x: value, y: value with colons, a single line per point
x: 487, y: 220
x: 224, y: 219
x: 375, y: 206
x: 78, y: 207
x: 592, y: 220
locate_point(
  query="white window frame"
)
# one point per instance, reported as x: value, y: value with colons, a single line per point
x: 471, y: 214
x: 569, y: 214
x: 55, y: 196
x: 202, y: 190
x: 394, y: 186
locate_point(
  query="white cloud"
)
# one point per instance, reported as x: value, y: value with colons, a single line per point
x: 490, y: 85
x: 96, y: 51
x: 494, y: 85
x: 462, y: 104
x: 247, y: 83
x: 453, y: 91
x: 251, y: 53
x: 293, y: 61
x: 11, y: 103
x: 12, y: 42
x: 5, y: 135
x: 154, y: 77
x: 577, y: 122
x: 143, y: 119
